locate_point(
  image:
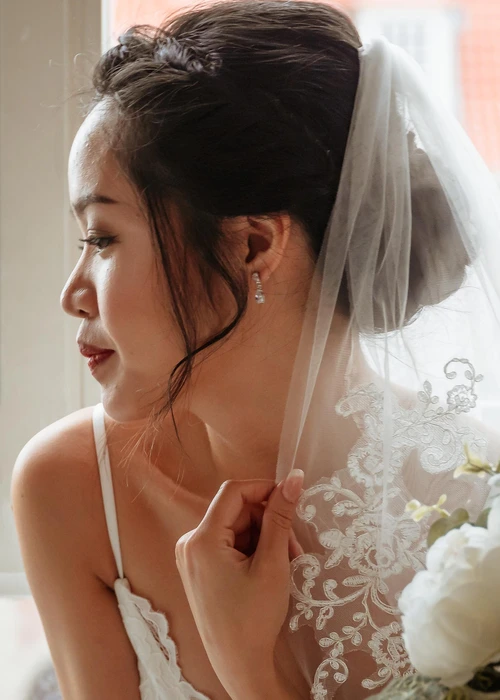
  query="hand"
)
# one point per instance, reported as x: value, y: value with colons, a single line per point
x: 239, y: 594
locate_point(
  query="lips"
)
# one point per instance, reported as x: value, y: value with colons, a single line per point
x: 93, y: 350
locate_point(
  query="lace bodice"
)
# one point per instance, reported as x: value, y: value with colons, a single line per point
x: 147, y: 629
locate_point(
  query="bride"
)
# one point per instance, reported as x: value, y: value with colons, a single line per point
x: 289, y: 262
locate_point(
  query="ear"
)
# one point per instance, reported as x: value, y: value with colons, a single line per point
x: 264, y: 240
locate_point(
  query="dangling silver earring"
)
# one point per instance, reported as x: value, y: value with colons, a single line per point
x: 259, y: 296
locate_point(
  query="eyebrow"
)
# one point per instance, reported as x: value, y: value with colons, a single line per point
x: 77, y: 208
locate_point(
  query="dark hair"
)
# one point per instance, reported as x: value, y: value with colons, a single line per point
x: 240, y: 107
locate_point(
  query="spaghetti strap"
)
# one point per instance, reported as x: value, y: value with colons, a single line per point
x: 107, y: 483
x: 147, y: 628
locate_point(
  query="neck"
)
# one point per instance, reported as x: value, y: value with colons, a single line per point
x: 232, y: 423
x: 243, y: 416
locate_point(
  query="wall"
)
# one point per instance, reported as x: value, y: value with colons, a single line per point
x: 41, y: 371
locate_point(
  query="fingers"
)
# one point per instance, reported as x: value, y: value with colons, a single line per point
x: 294, y: 547
x: 277, y: 522
x: 240, y: 510
x: 226, y: 508
x: 247, y: 539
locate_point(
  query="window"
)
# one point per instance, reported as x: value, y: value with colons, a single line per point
x: 429, y: 35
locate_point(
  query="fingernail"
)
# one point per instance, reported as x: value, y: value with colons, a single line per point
x: 292, y: 485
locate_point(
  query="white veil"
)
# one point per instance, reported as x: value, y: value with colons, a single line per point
x: 385, y: 396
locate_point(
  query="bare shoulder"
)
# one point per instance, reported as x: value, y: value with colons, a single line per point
x: 52, y: 498
x: 59, y: 464
x: 68, y: 436
x: 59, y: 461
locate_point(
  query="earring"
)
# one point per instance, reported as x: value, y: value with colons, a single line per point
x: 260, y: 298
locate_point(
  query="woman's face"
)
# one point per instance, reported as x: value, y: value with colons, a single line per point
x: 118, y: 291
x: 114, y: 286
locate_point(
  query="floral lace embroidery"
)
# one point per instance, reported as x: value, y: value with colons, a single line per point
x: 432, y: 435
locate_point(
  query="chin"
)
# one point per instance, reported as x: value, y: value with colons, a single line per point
x: 123, y: 409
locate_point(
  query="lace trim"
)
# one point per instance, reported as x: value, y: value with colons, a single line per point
x: 148, y: 630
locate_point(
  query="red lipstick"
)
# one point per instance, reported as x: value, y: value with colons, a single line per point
x: 95, y: 355
x: 96, y: 360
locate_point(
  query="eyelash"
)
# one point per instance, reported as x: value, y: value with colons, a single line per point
x: 95, y: 240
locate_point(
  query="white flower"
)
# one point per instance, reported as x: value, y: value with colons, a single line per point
x: 451, y: 611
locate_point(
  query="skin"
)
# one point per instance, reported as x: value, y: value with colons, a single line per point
x: 124, y: 307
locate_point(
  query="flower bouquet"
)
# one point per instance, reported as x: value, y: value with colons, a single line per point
x: 451, y: 609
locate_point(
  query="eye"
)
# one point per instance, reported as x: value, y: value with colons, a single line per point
x: 101, y: 242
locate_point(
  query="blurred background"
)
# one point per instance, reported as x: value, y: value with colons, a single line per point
x: 47, y: 50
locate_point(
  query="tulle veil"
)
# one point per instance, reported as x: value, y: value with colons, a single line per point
x: 385, y: 397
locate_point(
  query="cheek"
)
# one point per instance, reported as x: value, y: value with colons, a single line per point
x: 138, y: 319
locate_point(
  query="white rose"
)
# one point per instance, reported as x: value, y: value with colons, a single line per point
x: 451, y: 611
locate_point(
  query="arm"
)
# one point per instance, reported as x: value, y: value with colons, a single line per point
x: 50, y: 494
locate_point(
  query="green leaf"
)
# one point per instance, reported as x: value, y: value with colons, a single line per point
x: 444, y: 525
x: 437, y: 530
x: 482, y: 520
x: 460, y: 516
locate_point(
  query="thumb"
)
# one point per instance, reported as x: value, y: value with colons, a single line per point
x: 277, y: 520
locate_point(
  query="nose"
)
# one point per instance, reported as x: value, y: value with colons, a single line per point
x: 78, y: 297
